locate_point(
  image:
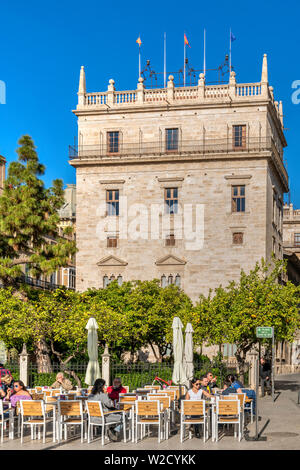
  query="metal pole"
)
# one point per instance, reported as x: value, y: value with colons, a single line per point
x: 165, y: 60
x: 273, y: 365
x: 183, y: 61
x: 256, y: 392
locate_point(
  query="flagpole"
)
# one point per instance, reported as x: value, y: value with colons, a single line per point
x: 204, y: 59
x: 165, y: 60
x: 230, y: 52
x: 184, y: 61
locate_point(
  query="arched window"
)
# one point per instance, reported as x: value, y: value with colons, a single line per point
x: 170, y: 279
x: 177, y: 280
x: 120, y: 280
x: 105, y: 281
x: 163, y: 281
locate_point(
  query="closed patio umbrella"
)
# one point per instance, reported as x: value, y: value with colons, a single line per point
x: 179, y: 375
x: 189, y: 352
x: 93, y: 368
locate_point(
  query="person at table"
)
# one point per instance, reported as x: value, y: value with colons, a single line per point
x: 196, y: 392
x: 4, y: 371
x: 212, y: 381
x: 62, y: 382
x: 98, y: 394
x: 235, y: 383
x: 228, y: 389
x: 205, y: 386
x: 19, y: 393
x: 115, y: 389
x: 7, y: 382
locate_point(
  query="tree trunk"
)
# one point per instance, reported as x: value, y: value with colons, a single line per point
x: 42, y: 357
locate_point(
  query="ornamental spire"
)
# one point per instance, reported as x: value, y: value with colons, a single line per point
x: 264, y: 72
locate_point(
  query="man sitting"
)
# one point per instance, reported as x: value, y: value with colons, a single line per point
x: 228, y: 389
x: 115, y: 390
x: 212, y: 381
x: 205, y: 387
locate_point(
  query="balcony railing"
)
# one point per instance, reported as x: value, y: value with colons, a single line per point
x: 184, y: 147
x: 38, y: 283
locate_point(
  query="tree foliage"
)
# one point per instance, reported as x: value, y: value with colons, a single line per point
x: 28, y: 216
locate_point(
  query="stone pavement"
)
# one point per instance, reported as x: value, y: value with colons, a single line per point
x: 280, y: 426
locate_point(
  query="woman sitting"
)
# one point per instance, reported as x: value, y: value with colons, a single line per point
x: 19, y: 393
x: 98, y: 394
x: 196, y: 393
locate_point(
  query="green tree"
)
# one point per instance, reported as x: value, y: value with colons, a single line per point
x: 233, y: 313
x: 28, y: 216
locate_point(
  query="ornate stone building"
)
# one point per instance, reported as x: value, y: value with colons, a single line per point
x: 183, y: 184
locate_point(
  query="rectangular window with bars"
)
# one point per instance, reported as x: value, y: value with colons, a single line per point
x: 113, y: 142
x: 239, y: 137
x: 112, y: 202
x: 112, y: 242
x: 297, y: 239
x: 238, y: 198
x: 170, y: 240
x: 171, y: 139
x: 171, y: 200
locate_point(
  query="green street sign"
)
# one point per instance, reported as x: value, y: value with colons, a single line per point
x: 264, y: 332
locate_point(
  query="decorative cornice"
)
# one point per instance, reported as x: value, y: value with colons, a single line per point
x: 170, y: 260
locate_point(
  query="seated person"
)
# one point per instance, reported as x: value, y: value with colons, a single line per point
x: 228, y: 389
x: 62, y: 382
x: 7, y: 382
x: 195, y: 393
x: 116, y: 388
x: 264, y: 375
x: 212, y: 381
x: 98, y: 394
x: 235, y: 383
x: 19, y: 393
x: 205, y: 386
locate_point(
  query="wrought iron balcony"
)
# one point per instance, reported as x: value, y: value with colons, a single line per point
x: 184, y: 147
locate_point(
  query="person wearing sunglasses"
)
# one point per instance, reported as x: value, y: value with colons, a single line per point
x: 196, y: 393
x: 19, y: 393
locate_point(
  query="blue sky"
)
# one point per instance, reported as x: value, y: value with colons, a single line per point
x: 43, y: 45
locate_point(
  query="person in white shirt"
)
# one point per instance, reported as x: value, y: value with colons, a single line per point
x: 196, y: 393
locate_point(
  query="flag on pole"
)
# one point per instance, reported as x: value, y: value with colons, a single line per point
x: 231, y: 39
x: 139, y: 41
x: 186, y: 42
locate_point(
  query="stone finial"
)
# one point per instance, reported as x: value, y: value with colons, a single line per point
x: 264, y: 72
x: 82, y: 84
x: 281, y: 112
x: 140, y: 85
x: 111, y: 86
x: 201, y: 80
x: 232, y: 79
x: 271, y: 89
x: 24, y: 350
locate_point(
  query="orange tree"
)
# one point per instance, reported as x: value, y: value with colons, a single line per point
x: 233, y: 313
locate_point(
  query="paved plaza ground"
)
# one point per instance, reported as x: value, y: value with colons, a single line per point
x: 279, y: 426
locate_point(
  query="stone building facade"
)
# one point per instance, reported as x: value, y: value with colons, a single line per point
x: 183, y: 184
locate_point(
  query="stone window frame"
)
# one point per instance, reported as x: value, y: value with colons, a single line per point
x: 162, y: 135
x: 106, y: 143
x: 243, y: 136
x: 238, y: 229
x: 238, y: 180
x: 112, y: 184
